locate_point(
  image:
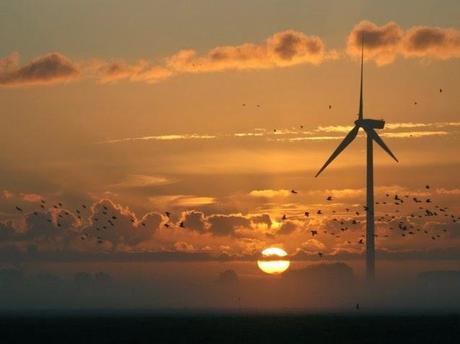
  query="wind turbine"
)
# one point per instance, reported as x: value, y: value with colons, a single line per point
x: 369, y: 126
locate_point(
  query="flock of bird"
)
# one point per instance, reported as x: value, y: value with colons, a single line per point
x: 104, y: 221
x: 408, y: 225
x: 343, y: 220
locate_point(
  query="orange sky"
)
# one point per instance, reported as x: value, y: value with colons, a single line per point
x: 175, y: 111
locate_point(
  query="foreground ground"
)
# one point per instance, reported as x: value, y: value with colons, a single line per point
x: 213, y: 328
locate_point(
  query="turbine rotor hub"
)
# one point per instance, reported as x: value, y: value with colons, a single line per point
x: 369, y: 123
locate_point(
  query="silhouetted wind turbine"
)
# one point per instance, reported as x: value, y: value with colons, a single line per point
x: 369, y: 126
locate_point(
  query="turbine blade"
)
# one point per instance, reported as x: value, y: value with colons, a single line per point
x: 346, y: 141
x: 373, y: 134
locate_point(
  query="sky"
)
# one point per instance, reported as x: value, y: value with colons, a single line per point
x: 183, y: 127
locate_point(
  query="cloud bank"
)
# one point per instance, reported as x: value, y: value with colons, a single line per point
x: 383, y: 44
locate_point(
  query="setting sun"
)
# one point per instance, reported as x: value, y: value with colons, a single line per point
x: 270, y: 262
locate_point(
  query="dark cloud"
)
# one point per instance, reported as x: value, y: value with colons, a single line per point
x: 47, y: 69
x: 423, y: 41
x: 289, y: 44
x: 194, y: 220
x: 384, y: 43
x: 119, y: 226
x: 262, y: 219
x: 227, y: 224
x: 287, y: 227
x: 381, y: 42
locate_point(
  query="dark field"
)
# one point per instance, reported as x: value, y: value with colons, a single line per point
x: 148, y: 328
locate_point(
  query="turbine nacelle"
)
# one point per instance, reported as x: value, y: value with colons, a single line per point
x: 368, y: 123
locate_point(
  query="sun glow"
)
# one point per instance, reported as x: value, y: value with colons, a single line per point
x: 270, y: 264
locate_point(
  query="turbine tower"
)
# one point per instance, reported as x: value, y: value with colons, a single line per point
x: 369, y: 126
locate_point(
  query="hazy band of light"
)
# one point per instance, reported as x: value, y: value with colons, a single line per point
x: 171, y: 137
x: 302, y: 135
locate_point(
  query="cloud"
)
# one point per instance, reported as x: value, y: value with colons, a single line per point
x: 194, y: 220
x: 122, y: 228
x: 7, y: 194
x: 287, y: 227
x: 269, y: 193
x: 140, y: 181
x: 47, y: 69
x: 227, y: 224
x: 313, y: 245
x: 283, y: 49
x: 444, y: 191
x: 381, y: 42
x: 433, y: 42
x: 262, y: 219
x: 143, y: 70
x: 386, y: 42
x: 181, y: 201
x: 31, y: 197
x: 169, y: 137
x: 392, y: 130
x: 414, y: 134
x: 182, y: 246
